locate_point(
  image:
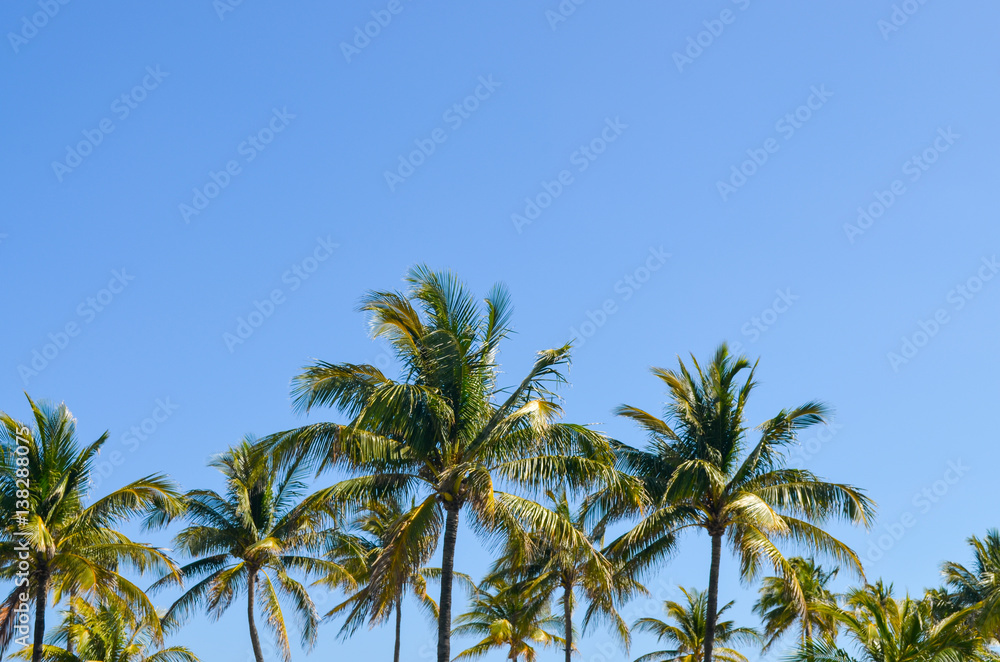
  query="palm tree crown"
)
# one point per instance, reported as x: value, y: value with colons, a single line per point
x: 445, y: 432
x: 687, y: 629
x: 248, y: 539
x: 108, y: 634
x: 572, y: 570
x: 73, y: 549
x: 701, y: 471
x: 780, y: 608
x: 884, y: 629
x: 978, y: 586
x: 511, y: 615
x: 357, y: 553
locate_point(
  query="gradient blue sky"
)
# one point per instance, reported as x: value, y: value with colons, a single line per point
x: 887, y: 95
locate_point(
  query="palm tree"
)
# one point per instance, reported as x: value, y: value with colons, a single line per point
x: 512, y: 616
x: 700, y: 472
x: 248, y: 539
x: 71, y: 549
x: 445, y: 432
x: 108, y: 634
x: 357, y: 553
x: 979, y: 586
x: 569, y: 568
x: 688, y: 628
x: 780, y: 608
x: 884, y: 629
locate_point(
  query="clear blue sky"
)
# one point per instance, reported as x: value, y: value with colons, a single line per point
x: 837, y: 103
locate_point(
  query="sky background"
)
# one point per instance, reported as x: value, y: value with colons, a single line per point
x: 683, y: 126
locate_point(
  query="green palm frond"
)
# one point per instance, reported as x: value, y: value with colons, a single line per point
x: 702, y: 468
x: 76, y: 548
x: 249, y: 537
x: 686, y: 629
x: 444, y: 433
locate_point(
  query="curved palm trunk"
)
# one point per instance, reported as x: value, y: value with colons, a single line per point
x: 41, y: 597
x: 713, y: 596
x: 568, y: 616
x: 447, y: 577
x: 399, y: 621
x: 254, y: 639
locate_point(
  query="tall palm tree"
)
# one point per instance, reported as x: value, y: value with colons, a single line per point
x: 446, y: 432
x: 780, y: 608
x: 978, y: 586
x: 688, y: 628
x: 702, y: 471
x: 247, y: 539
x: 107, y: 634
x: 512, y: 616
x: 357, y: 553
x: 72, y: 549
x: 571, y: 569
x: 885, y: 629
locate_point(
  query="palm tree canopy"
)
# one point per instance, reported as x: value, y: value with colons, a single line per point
x: 685, y: 631
x: 446, y: 433
x: 885, y: 629
x: 259, y: 530
x: 978, y: 586
x: 107, y: 634
x: 75, y: 548
x: 357, y: 552
x: 701, y: 469
x: 780, y: 609
x: 509, y: 615
x: 565, y: 568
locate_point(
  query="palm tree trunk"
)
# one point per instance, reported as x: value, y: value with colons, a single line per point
x: 568, y: 616
x: 447, y: 577
x: 69, y: 634
x: 254, y: 639
x: 41, y: 597
x: 713, y: 596
x: 399, y: 621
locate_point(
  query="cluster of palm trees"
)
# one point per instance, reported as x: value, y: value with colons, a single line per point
x: 444, y: 443
x: 864, y: 624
